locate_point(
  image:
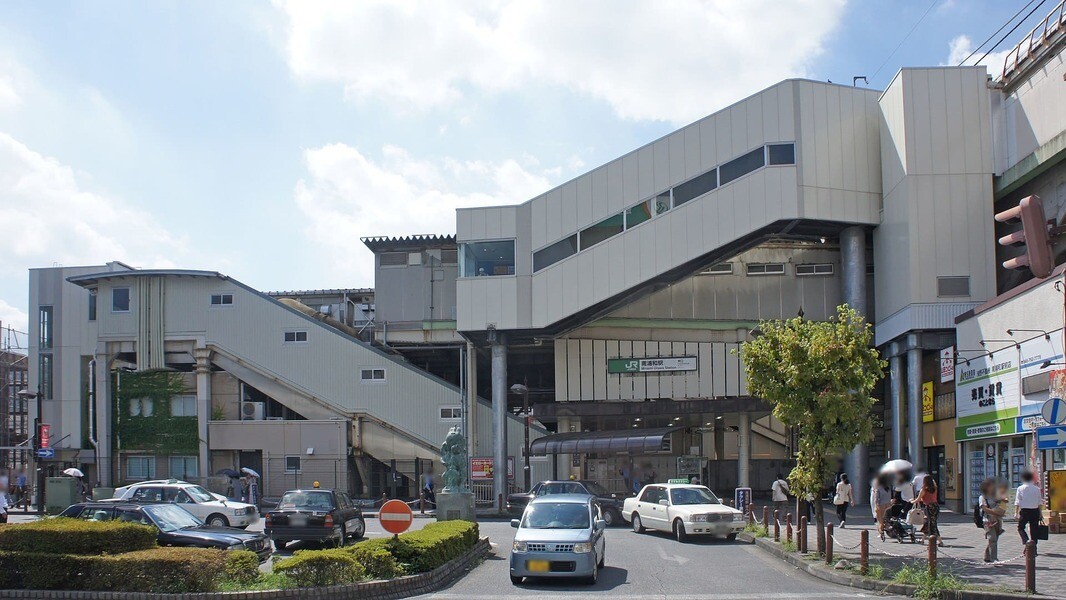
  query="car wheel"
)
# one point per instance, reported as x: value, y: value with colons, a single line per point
x: 731, y: 537
x: 609, y: 517
x: 515, y: 580
x: 342, y: 539
x: 679, y: 531
x: 279, y: 545
x: 217, y: 520
x: 637, y: 526
x: 359, y: 530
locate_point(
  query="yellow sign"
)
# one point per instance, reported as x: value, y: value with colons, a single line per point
x: 1056, y: 491
x: 927, y: 402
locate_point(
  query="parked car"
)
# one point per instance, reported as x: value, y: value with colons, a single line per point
x: 320, y: 515
x: 683, y: 510
x: 193, y: 498
x: 124, y: 491
x: 177, y: 526
x: 610, y: 503
x: 558, y: 536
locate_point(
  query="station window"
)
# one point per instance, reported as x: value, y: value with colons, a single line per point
x: 292, y: 464
x: 140, y: 467
x: 782, y: 154
x: 221, y: 299
x: 44, y: 327
x: 295, y: 337
x: 741, y: 166
x: 120, y: 300
x: 695, y: 187
x: 487, y: 259
x: 550, y: 255
x: 92, y: 305
x: 609, y: 227
x: 183, y: 406
x: 810, y: 270
x: 451, y: 413
x: 377, y: 375
x: 947, y: 287
x: 766, y: 269
x: 719, y: 269
x: 392, y: 259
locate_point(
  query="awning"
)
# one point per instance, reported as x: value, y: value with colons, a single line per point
x: 625, y: 440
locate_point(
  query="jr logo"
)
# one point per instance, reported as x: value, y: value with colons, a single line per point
x: 633, y: 365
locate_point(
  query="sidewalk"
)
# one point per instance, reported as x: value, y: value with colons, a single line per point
x: 962, y: 554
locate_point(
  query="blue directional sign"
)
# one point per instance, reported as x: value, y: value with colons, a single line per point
x: 1049, y: 438
x: 46, y: 453
x: 1054, y: 411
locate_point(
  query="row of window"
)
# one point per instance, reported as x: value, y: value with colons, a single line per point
x: 412, y: 259
x: 756, y: 269
x: 180, y: 406
x: 771, y: 154
x: 143, y: 467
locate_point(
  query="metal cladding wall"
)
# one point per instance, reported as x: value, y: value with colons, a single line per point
x: 836, y: 177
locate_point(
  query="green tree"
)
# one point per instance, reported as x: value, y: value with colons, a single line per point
x: 818, y: 376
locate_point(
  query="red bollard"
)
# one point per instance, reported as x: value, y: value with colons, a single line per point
x: 801, y: 535
x: 788, y: 528
x: 1030, y: 566
x: 777, y: 526
x: 829, y: 544
x: 864, y: 552
x: 422, y: 502
x: 751, y: 514
x: 931, y: 557
x: 766, y: 517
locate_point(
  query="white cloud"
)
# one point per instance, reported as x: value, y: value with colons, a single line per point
x: 15, y: 318
x: 961, y: 46
x: 51, y: 218
x: 347, y: 195
x: 671, y: 61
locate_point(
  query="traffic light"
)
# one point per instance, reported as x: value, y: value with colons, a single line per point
x: 1035, y: 235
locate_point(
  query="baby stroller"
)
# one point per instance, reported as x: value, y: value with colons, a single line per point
x: 896, y: 525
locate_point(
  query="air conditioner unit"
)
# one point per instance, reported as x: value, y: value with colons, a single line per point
x: 253, y: 411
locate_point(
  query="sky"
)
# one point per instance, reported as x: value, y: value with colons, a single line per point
x: 264, y: 139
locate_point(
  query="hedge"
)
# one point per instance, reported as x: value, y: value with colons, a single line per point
x: 241, y: 566
x: 170, y: 570
x: 427, y: 548
x: 378, y: 561
x: 63, y: 535
x: 313, y: 568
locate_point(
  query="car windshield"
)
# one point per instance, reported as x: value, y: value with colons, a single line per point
x: 306, y: 500
x: 199, y: 494
x: 561, y: 487
x: 556, y: 515
x: 698, y: 495
x: 168, y: 517
x: 596, y: 489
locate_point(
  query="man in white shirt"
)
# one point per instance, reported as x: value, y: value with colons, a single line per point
x: 779, y: 491
x: 1027, y: 502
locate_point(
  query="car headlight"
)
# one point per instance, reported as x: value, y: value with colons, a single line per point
x: 583, y: 547
x: 235, y: 547
x: 738, y: 516
x: 698, y: 518
x: 519, y: 546
x: 239, y: 512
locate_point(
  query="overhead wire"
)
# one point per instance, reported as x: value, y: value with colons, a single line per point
x: 901, y: 42
x: 1019, y: 24
x: 995, y: 33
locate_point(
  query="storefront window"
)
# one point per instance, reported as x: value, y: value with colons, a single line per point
x: 487, y: 259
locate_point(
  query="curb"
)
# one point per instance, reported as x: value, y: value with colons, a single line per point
x: 386, y: 589
x: 819, y: 570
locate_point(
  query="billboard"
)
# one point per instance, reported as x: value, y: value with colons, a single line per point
x: 986, y: 387
x: 482, y: 469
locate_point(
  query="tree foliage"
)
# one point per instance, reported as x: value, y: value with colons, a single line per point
x: 818, y: 376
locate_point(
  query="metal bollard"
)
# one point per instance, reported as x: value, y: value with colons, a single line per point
x: 829, y: 544
x: 801, y: 535
x: 788, y: 528
x: 751, y: 514
x: 864, y: 552
x: 931, y: 556
x: 766, y: 517
x: 777, y: 526
x: 422, y: 502
x: 1030, y: 567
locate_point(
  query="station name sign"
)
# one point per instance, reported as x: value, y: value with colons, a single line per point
x: 651, y: 365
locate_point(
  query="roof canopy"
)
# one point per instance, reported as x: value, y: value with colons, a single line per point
x: 626, y: 440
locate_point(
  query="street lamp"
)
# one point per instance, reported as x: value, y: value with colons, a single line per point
x: 522, y: 388
x: 36, y: 445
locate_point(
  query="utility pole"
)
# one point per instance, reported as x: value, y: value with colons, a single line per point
x: 37, y: 446
x: 523, y: 389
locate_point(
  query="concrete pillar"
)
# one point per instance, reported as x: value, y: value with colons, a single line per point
x: 853, y: 282
x: 744, y: 450
x: 895, y: 404
x: 499, y: 422
x: 203, y: 405
x: 914, y: 407
x: 104, y: 414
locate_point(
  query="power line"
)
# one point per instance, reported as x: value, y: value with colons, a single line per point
x: 900, y: 44
x: 1001, y: 28
x: 1012, y: 30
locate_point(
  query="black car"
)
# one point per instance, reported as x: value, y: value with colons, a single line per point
x: 177, y: 526
x: 320, y: 515
x: 610, y: 504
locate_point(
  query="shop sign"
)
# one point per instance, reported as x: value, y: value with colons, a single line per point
x: 984, y: 430
x: 947, y: 364
x: 481, y: 468
x: 1029, y: 423
x: 688, y: 465
x: 651, y: 365
x: 987, y: 385
x: 1056, y: 491
x: 927, y: 402
x: 1037, y: 351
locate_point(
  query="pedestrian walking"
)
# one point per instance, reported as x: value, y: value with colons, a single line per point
x: 779, y: 494
x: 992, y: 518
x: 930, y: 503
x: 21, y: 493
x: 1027, y: 503
x: 842, y: 498
x: 880, y: 502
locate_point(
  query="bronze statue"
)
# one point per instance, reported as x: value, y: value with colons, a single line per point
x: 453, y: 456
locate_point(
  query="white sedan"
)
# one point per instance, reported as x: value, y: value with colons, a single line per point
x: 683, y: 510
x: 193, y: 498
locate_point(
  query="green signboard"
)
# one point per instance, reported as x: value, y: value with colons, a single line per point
x: 659, y: 364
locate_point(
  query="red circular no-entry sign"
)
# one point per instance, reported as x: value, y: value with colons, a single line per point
x: 395, y: 516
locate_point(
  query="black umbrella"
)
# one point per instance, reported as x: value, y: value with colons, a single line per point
x: 228, y: 473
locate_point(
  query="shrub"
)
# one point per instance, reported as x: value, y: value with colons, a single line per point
x: 242, y: 566
x: 377, y: 560
x: 313, y: 568
x: 432, y: 546
x: 166, y: 570
x: 62, y: 535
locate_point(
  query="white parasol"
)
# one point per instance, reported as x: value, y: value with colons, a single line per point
x: 896, y: 466
x: 72, y: 472
x: 251, y: 472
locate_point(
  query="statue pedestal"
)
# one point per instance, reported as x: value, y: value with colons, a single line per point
x: 456, y: 505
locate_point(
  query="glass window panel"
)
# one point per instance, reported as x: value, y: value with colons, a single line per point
x: 92, y: 305
x: 695, y: 187
x: 487, y: 259
x: 782, y: 154
x: 554, y: 253
x: 739, y: 167
x: 662, y: 203
x: 44, y: 323
x: 606, y: 228
x: 44, y: 376
x: 638, y: 214
x: 120, y: 300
